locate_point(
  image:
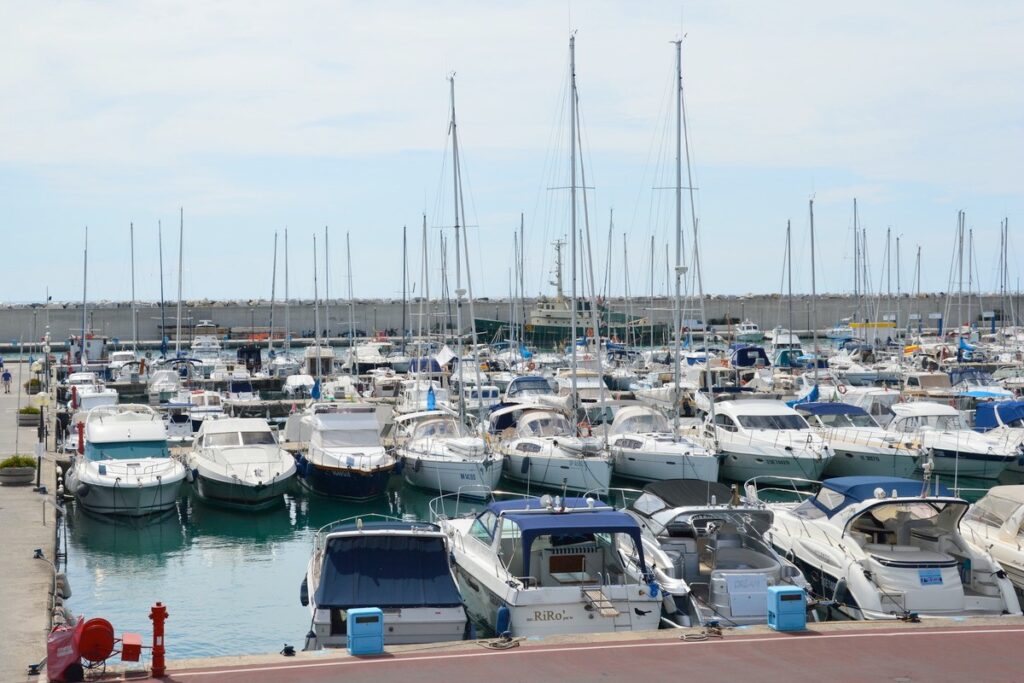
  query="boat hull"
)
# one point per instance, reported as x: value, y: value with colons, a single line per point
x: 130, y: 501
x: 852, y: 462
x: 345, y: 483
x: 450, y: 476
x: 241, y: 495
x: 649, y: 466
x: 966, y: 464
x: 741, y: 464
x: 558, y: 472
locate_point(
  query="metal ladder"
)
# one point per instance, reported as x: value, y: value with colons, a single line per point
x: 596, y: 598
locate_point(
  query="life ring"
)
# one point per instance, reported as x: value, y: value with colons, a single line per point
x: 583, y: 424
x: 531, y: 365
x: 841, y: 388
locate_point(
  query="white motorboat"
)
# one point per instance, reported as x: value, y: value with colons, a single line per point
x: 237, y: 461
x: 706, y: 548
x: 124, y: 467
x: 400, y: 567
x: 204, y: 405
x: 283, y: 364
x: 748, y: 331
x: 85, y: 392
x: 860, y: 446
x: 888, y: 548
x: 545, y: 566
x: 763, y: 437
x: 946, y: 440
x: 1003, y: 420
x: 643, y: 446
x: 298, y: 385
x: 163, y: 385
x: 542, y: 448
x: 994, y: 524
x: 439, y: 453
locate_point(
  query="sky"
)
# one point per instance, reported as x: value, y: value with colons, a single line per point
x: 255, y: 117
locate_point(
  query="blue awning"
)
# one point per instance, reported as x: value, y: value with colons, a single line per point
x: 830, y: 408
x: 386, y: 571
x: 985, y: 415
x: 860, y: 489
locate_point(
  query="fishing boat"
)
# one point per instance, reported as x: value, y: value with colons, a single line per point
x: 238, y: 462
x: 397, y: 566
x: 124, y: 466
x: 706, y: 548
x: 439, y: 453
x: 344, y: 456
x: 548, y: 566
x: 643, y: 446
x: 889, y: 548
x: 860, y: 445
x: 541, y: 448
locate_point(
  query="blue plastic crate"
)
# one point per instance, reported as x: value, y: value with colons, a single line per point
x: 365, y: 631
x: 787, y: 608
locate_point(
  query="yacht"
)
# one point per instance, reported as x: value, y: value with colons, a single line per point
x: 761, y: 437
x: 237, y: 461
x: 889, y: 548
x: 439, y: 453
x: 398, y: 566
x: 344, y: 456
x: 542, y: 448
x: 282, y: 364
x: 994, y: 525
x: 706, y: 548
x: 948, y: 443
x: 124, y: 466
x: 859, y: 444
x: 548, y: 566
x: 643, y: 446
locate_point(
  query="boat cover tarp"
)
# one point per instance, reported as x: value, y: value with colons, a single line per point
x: 985, y: 414
x: 830, y: 408
x: 859, y: 489
x: 568, y: 525
x: 386, y: 572
x: 689, y: 492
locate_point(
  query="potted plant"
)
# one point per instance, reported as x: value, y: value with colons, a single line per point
x: 18, y: 469
x: 33, y: 385
x: 28, y: 417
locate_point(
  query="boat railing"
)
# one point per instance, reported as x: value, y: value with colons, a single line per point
x: 771, y: 483
x: 857, y: 437
x: 471, y: 494
x: 625, y: 496
x: 357, y: 520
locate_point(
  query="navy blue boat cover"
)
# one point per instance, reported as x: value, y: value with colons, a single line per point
x: 386, y: 571
x: 985, y: 419
x: 830, y: 408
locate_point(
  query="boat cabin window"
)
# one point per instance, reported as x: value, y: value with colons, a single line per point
x: 483, y: 527
x: 829, y: 499
x: 257, y: 438
x: 992, y: 510
x: 847, y: 420
x: 529, y: 386
x: 241, y: 387
x: 945, y: 423
x: 648, y: 504
x: 725, y: 422
x: 130, y: 450
x: 549, y: 424
x: 777, y: 422
x: 221, y: 439
x: 643, y: 424
x: 437, y: 429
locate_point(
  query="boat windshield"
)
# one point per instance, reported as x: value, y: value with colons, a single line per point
x: 647, y: 423
x: 126, y: 450
x: 530, y: 386
x: 848, y: 420
x: 347, y: 438
x: 548, y: 424
x: 241, y: 387
x: 783, y: 422
x: 257, y: 438
x: 945, y: 423
x: 446, y: 427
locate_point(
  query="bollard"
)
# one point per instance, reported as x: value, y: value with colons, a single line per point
x: 81, y: 437
x: 158, y: 614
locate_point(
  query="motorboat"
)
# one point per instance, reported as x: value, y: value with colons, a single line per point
x: 415, y: 395
x: 548, y: 566
x: 993, y: 525
x: 283, y: 364
x: 344, y: 456
x: 163, y: 385
x: 439, y: 453
x: 1003, y: 420
x: 204, y: 405
x: 398, y: 566
x: 298, y: 385
x: 118, y: 360
x: 643, y: 446
x: 748, y: 331
x: 238, y: 462
x: 948, y: 443
x: 527, y: 388
x: 706, y: 548
x: 860, y: 445
x: 124, y: 466
x: 85, y: 392
x: 542, y: 448
x: 762, y: 437
x: 889, y: 548
x: 240, y: 389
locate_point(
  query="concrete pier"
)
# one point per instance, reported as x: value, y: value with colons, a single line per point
x: 27, y: 521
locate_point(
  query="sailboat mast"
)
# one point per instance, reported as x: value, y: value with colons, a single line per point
x: 135, y: 320
x: 572, y: 215
x: 353, y: 365
x: 316, y: 319
x: 181, y: 251
x: 405, y: 282
x: 163, y: 316
x: 459, y: 292
x: 814, y: 299
x: 650, y: 313
x: 625, y: 286
x: 287, y: 301
x: 856, y: 263
x: 273, y: 295
x: 676, y: 323
x: 85, y: 280
x: 327, y: 287
x: 789, y: 270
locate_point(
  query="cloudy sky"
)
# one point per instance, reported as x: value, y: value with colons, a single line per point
x: 260, y: 116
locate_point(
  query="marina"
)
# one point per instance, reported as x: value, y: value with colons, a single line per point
x: 477, y: 428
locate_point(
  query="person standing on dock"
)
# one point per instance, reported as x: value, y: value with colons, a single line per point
x: 6, y: 377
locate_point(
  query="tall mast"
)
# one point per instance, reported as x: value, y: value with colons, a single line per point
x: 676, y: 323
x: 351, y: 310
x: 135, y: 321
x: 856, y: 262
x: 405, y: 279
x: 522, y: 282
x: 327, y: 288
x: 459, y: 292
x: 814, y: 299
x: 899, y: 288
x: 316, y: 319
x: 789, y: 269
x: 163, y: 316
x: 85, y: 280
x: 572, y: 213
x: 650, y: 314
x: 625, y: 286
x: 287, y: 300
x: 273, y: 295
x: 181, y: 251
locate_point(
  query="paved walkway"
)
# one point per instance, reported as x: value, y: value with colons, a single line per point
x: 26, y: 523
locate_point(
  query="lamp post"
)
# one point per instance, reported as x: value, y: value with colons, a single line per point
x: 42, y: 400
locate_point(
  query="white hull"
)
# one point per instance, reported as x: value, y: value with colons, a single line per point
x: 559, y: 471
x: 449, y: 476
x: 106, y: 495
x: 852, y: 460
x: 743, y: 462
x: 651, y: 466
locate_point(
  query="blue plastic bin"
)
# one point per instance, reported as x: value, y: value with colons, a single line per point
x: 787, y: 608
x: 365, y: 631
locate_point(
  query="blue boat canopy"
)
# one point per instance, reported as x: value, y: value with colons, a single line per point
x: 749, y: 356
x: 567, y: 527
x: 860, y: 489
x: 386, y: 571
x: 985, y: 414
x: 830, y: 408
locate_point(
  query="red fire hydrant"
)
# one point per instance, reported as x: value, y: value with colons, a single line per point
x: 158, y: 614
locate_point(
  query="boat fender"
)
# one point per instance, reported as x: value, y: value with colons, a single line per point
x: 399, y: 465
x: 504, y: 621
x: 82, y: 491
x: 416, y: 465
x: 304, y: 592
x: 190, y: 474
x: 63, y: 586
x: 523, y: 470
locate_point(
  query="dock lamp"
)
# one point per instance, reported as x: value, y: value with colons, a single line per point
x: 42, y: 401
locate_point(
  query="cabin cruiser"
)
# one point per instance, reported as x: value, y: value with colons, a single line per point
x: 859, y: 444
x: 947, y: 441
x: 547, y: 566
x: 85, y: 392
x: 283, y: 364
x: 439, y: 453
x: 204, y: 405
x: 887, y: 548
x: 118, y: 360
x: 589, y: 384
x: 344, y: 456
x: 401, y: 567
x: 541, y: 447
x: 237, y: 461
x: 761, y: 437
x: 163, y: 385
x: 526, y: 389
x: 475, y: 397
x: 706, y: 548
x: 643, y: 446
x: 994, y: 524
x: 124, y: 466
x: 369, y: 355
x: 415, y: 395
x: 1003, y: 420
x: 298, y: 385
x: 748, y: 331
x: 977, y: 383
x: 240, y: 389
x: 318, y: 360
